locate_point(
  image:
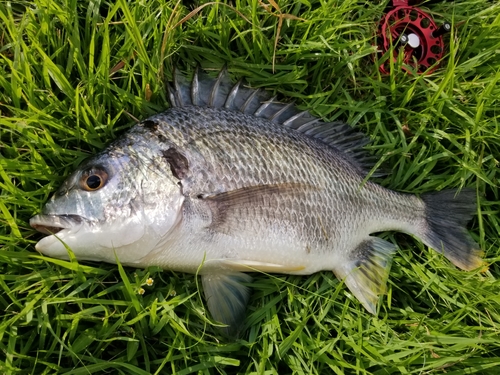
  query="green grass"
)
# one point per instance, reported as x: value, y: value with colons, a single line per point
x: 75, y: 74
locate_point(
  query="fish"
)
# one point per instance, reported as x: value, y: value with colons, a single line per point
x: 229, y: 181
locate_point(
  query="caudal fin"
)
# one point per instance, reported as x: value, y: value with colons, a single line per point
x: 447, y: 213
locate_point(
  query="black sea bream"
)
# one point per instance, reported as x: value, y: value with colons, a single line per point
x: 234, y: 182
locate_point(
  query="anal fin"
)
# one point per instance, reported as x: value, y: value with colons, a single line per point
x: 366, y: 271
x: 227, y: 298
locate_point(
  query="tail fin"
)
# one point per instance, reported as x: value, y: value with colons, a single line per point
x: 446, y: 216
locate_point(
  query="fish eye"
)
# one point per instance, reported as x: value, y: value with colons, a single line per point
x: 93, y: 179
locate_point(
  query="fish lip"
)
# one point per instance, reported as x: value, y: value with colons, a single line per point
x: 53, y: 224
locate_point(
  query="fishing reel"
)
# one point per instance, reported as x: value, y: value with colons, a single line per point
x: 411, y: 31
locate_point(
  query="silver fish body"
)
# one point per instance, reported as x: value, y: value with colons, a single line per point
x: 228, y: 182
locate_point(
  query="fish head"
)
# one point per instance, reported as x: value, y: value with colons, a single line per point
x: 117, y: 205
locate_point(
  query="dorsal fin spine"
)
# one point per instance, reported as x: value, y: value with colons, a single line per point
x: 232, y: 94
x: 249, y: 100
x: 171, y: 95
x: 281, y: 111
x: 195, y: 88
x: 178, y: 90
x: 215, y: 88
x: 307, y: 125
x: 290, y: 120
x: 264, y: 106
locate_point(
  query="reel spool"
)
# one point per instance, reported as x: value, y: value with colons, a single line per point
x: 413, y: 32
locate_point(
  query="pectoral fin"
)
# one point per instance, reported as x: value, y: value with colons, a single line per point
x: 230, y: 209
x: 227, y: 297
x: 366, y: 271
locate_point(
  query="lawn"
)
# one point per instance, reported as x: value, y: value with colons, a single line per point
x: 74, y: 75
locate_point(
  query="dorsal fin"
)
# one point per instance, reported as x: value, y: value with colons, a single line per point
x: 220, y: 92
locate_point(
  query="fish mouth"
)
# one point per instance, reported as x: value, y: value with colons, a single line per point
x: 53, y: 224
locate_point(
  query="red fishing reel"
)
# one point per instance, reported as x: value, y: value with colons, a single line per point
x: 413, y: 32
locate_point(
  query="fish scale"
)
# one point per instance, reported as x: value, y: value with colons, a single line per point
x: 229, y: 181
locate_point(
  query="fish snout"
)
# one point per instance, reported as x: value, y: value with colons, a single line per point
x: 52, y: 224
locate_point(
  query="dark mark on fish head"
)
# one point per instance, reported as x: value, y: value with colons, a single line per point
x: 178, y: 163
x: 151, y: 125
